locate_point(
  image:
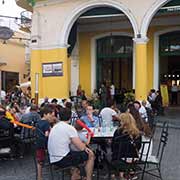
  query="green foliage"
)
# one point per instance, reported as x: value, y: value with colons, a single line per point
x: 129, y: 97
x: 32, y: 2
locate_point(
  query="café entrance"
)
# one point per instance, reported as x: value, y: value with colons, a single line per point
x: 114, y: 61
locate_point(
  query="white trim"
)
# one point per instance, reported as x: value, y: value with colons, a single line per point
x: 171, y: 7
x: 74, y: 15
x: 156, y: 53
x: 93, y: 56
x: 143, y: 40
x: 48, y: 47
x: 150, y: 14
x: 101, y: 16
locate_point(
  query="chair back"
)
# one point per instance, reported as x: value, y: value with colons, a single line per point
x: 145, y: 150
x: 163, y: 141
x: 74, y: 118
x: 6, y: 138
x: 124, y: 149
x: 28, y: 135
x: 100, y: 120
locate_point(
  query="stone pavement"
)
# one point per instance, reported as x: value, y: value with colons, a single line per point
x: 24, y: 169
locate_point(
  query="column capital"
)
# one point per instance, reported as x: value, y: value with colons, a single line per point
x: 142, y: 40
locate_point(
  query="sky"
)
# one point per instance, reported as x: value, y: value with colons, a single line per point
x: 9, y: 8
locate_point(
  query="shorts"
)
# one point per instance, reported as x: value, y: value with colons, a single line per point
x: 73, y: 158
x: 40, y: 155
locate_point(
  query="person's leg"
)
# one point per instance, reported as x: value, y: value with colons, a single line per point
x: 40, y: 157
x: 39, y: 171
x: 90, y: 165
x: 176, y: 98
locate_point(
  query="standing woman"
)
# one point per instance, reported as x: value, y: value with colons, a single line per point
x: 127, y: 132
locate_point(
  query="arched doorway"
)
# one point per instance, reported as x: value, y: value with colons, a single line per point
x: 114, y: 61
x: 169, y: 56
x: 89, y: 26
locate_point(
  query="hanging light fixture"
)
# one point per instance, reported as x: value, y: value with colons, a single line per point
x: 3, y: 2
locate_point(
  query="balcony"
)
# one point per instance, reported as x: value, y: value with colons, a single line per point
x: 26, y: 21
x: 25, y: 5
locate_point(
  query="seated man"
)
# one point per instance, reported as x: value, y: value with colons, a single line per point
x: 89, y: 119
x: 108, y: 115
x: 60, y: 138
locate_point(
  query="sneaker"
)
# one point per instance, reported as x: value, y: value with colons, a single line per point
x: 134, y: 177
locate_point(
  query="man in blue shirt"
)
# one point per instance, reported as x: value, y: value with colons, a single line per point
x: 89, y: 119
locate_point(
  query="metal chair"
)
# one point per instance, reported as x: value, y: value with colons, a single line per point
x: 130, y: 158
x: 61, y: 171
x: 156, y: 160
x: 6, y: 140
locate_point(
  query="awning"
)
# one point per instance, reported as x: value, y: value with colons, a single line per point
x: 25, y: 84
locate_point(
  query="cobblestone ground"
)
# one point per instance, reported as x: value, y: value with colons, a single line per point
x: 24, y: 169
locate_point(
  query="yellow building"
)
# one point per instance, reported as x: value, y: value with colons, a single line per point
x: 134, y: 44
x: 14, y: 61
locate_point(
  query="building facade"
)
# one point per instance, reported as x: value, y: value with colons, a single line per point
x: 14, y: 62
x: 134, y: 44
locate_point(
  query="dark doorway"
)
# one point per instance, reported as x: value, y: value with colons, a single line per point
x: 169, y: 60
x: 114, y: 61
x: 9, y: 80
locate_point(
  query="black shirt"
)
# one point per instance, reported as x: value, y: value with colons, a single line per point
x: 41, y: 128
x: 123, y: 146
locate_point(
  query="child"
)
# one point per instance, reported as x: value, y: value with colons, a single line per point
x: 82, y: 136
x: 42, y: 129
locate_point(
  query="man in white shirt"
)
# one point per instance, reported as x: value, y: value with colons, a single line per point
x: 108, y: 114
x: 3, y: 96
x: 60, y: 138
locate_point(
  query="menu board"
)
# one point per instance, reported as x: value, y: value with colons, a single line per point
x: 52, y: 69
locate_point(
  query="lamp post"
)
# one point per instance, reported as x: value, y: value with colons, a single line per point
x: 36, y: 88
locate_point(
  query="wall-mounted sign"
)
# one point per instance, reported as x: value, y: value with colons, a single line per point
x: 52, y: 69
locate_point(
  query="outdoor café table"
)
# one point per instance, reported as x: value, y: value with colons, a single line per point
x: 100, y: 143
x: 101, y: 137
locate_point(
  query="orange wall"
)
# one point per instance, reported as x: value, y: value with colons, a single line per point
x: 13, y: 54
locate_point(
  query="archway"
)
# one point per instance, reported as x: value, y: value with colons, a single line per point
x: 149, y: 16
x: 112, y: 22
x: 163, y: 46
x: 71, y: 19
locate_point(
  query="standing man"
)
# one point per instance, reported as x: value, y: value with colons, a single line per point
x: 174, y: 92
x: 60, y: 138
x: 112, y: 91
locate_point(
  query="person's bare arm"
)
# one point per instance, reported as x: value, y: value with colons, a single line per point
x: 89, y: 139
x: 78, y: 143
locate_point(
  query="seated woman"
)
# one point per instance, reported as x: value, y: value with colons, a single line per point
x: 126, y: 142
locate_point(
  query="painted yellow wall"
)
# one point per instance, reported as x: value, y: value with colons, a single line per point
x: 52, y: 87
x: 69, y: 71
x: 141, y: 72
x: 150, y: 59
x: 85, y: 62
x: 13, y: 54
